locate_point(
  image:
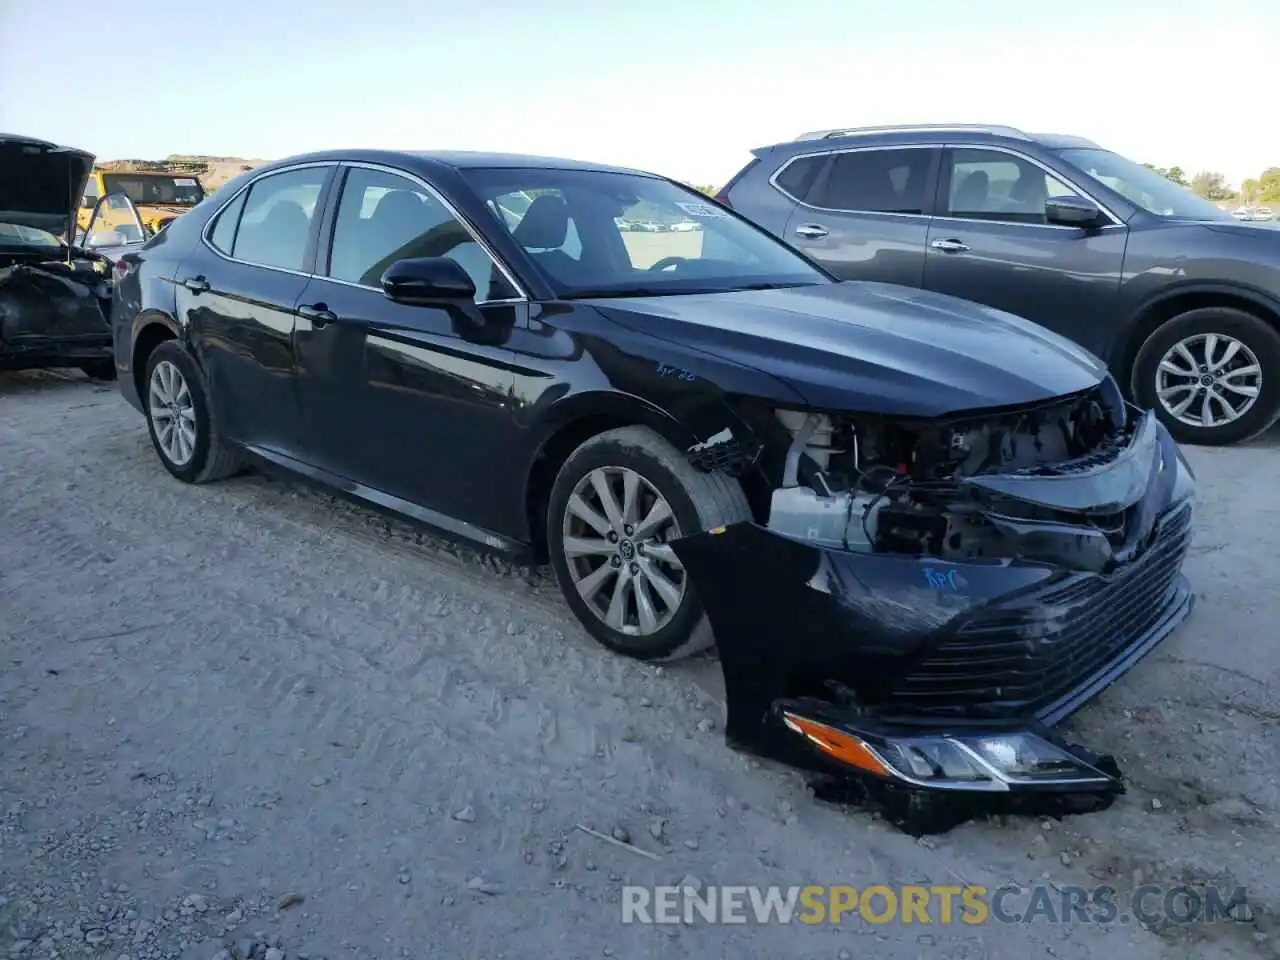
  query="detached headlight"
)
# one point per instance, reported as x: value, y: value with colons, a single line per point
x: 977, y: 762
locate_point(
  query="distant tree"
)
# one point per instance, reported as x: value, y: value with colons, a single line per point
x: 709, y: 191
x: 1211, y: 185
x: 1269, y: 184
x: 1175, y: 174
x: 1249, y: 190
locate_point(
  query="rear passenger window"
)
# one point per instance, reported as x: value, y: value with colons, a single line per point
x: 223, y: 236
x: 276, y: 223
x: 796, y: 178
x: 876, y: 181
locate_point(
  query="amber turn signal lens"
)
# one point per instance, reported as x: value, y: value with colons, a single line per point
x: 837, y: 744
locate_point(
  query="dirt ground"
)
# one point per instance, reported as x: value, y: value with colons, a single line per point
x: 250, y: 719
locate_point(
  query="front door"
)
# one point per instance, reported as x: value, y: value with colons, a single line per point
x: 238, y: 296
x: 865, y: 216
x: 412, y: 401
x: 990, y: 243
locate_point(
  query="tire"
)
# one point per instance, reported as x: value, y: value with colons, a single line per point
x: 99, y: 369
x: 1255, y: 337
x: 210, y: 457
x: 698, y: 501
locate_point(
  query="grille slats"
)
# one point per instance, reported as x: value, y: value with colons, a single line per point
x: 1018, y: 656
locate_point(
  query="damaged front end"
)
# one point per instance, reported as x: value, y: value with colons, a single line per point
x: 929, y: 599
x: 54, y: 312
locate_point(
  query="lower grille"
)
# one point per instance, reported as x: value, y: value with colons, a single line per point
x: 1036, y: 649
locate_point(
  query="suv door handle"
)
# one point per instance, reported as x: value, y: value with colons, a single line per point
x: 950, y: 246
x: 811, y: 231
x: 317, y: 313
x: 196, y: 284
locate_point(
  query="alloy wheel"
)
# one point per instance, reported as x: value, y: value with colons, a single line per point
x: 1208, y: 380
x: 173, y: 413
x: 616, y: 533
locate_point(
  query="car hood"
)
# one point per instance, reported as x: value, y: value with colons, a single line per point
x: 41, y: 183
x: 873, y: 347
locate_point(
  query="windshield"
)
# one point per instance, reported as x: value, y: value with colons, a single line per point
x: 596, y: 234
x: 19, y: 235
x: 149, y: 188
x: 1138, y: 184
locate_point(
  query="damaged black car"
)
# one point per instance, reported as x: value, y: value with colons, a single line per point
x: 55, y: 292
x: 920, y: 532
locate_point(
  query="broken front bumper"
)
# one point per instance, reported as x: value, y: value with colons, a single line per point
x: 891, y: 672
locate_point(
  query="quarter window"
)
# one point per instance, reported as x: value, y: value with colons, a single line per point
x: 223, y: 236
x: 876, y: 181
x: 796, y: 178
x: 384, y: 217
x: 992, y: 185
x: 275, y: 225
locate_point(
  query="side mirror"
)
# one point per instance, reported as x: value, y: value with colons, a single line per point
x: 428, y: 280
x: 1072, y: 212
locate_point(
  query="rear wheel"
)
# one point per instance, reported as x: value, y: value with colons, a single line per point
x: 618, y: 502
x: 1212, y: 376
x: 180, y: 418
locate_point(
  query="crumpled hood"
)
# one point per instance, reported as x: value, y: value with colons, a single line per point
x: 41, y: 183
x: 873, y: 347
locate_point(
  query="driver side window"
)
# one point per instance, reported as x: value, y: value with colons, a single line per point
x: 993, y: 185
x: 384, y: 217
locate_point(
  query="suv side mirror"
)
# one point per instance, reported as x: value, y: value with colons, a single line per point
x: 428, y: 280
x: 1072, y: 212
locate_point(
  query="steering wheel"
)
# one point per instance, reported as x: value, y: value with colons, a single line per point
x: 667, y: 263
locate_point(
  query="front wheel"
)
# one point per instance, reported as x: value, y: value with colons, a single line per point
x: 618, y: 502
x: 180, y: 418
x: 1212, y: 376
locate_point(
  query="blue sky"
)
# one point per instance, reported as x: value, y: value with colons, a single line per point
x: 678, y: 86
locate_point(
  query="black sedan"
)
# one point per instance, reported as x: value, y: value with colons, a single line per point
x: 921, y: 530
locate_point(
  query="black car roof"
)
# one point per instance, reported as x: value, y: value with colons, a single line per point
x: 454, y: 159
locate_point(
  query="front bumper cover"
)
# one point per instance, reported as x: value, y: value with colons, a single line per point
x: 886, y: 649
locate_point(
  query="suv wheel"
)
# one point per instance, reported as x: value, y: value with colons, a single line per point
x: 180, y: 418
x: 617, y: 503
x: 1212, y: 375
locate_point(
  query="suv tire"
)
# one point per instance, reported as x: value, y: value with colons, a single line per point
x: 629, y: 598
x: 1215, y: 328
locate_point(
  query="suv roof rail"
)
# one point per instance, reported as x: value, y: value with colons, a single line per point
x: 998, y: 129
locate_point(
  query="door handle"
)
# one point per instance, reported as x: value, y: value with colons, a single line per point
x: 196, y: 284
x: 317, y: 313
x: 950, y: 246
x: 811, y: 231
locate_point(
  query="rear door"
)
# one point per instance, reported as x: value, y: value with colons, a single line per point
x: 990, y: 243
x: 237, y: 293
x: 864, y: 214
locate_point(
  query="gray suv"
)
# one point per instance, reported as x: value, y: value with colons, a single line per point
x: 1180, y: 299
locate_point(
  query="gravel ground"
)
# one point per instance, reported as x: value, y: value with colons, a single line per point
x: 250, y: 719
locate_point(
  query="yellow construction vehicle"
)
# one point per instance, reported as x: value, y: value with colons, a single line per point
x: 160, y: 196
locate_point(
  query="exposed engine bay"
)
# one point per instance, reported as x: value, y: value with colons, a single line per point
x: 891, y: 486
x: 949, y: 591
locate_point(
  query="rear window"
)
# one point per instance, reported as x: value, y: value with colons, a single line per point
x: 876, y: 181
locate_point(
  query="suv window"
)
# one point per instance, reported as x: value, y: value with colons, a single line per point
x: 796, y: 178
x: 993, y: 185
x: 876, y: 181
x: 276, y: 222
x: 384, y: 217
